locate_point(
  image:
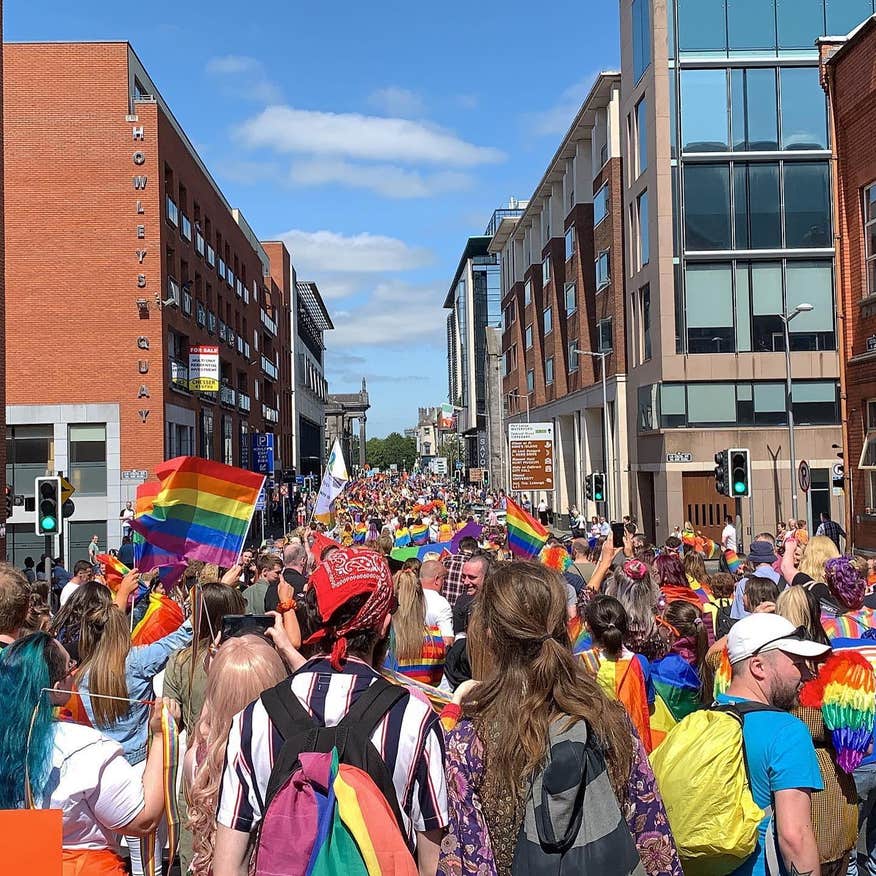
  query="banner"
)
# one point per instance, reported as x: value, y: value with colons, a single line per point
x: 333, y: 482
x: 446, y: 419
x: 204, y: 368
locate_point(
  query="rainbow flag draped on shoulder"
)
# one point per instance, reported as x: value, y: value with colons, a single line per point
x: 202, y: 511
x: 526, y: 536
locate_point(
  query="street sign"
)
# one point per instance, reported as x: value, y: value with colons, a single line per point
x: 262, y: 501
x: 678, y: 456
x: 263, y: 452
x: 804, y: 476
x: 531, y: 453
x: 460, y: 465
x: 476, y: 475
x: 67, y: 490
x: 839, y: 471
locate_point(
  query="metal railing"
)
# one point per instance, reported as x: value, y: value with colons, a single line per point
x: 269, y: 367
x: 227, y: 396
x: 179, y: 373
x: 243, y: 401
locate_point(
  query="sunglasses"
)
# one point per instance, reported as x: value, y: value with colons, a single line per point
x: 799, y: 634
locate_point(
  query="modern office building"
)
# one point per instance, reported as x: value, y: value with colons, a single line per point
x: 473, y: 300
x: 847, y: 69
x: 127, y: 268
x: 562, y: 269
x: 727, y: 206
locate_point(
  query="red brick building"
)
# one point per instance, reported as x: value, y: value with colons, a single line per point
x: 848, y: 74
x: 122, y: 256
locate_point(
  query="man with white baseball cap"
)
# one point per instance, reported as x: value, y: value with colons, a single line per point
x: 770, y: 662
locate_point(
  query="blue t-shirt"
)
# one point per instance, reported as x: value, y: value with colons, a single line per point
x: 780, y: 756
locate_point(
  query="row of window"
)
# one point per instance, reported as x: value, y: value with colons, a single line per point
x: 604, y: 344
x: 769, y: 205
x: 745, y: 403
x: 181, y: 440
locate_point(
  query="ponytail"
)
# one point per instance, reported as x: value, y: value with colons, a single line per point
x: 607, y: 621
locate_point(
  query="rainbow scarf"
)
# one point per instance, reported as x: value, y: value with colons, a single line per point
x: 526, y: 536
x: 170, y: 752
x: 733, y: 560
x: 203, y: 510
x: 845, y: 691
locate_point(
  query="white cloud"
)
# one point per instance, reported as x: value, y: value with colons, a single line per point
x: 244, y: 77
x: 247, y: 172
x: 396, y: 101
x: 316, y: 251
x: 387, y: 180
x: 352, y: 135
x: 557, y: 118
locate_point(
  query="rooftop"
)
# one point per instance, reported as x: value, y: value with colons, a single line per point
x: 308, y: 293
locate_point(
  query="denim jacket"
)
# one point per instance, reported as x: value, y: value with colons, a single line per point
x: 143, y: 663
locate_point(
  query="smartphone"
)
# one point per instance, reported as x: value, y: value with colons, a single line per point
x: 617, y: 535
x: 245, y: 625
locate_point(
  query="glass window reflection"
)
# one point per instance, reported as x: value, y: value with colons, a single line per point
x: 754, y: 113
x: 804, y: 111
x: 757, y: 206
x: 702, y: 26
x: 704, y: 110
x: 807, y: 204
x: 707, y: 206
x: 751, y: 24
x: 800, y: 23
x: 845, y: 15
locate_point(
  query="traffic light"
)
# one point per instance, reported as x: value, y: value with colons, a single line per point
x: 48, y: 506
x: 722, y: 475
x: 598, y: 487
x: 588, y: 487
x: 10, y: 500
x: 740, y: 473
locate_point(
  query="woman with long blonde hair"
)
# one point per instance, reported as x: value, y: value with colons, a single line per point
x: 532, y: 696
x: 801, y: 567
x: 242, y: 669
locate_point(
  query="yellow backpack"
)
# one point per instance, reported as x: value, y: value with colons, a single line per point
x: 702, y: 775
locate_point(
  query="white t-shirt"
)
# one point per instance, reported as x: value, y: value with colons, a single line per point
x: 728, y: 538
x: 68, y: 590
x: 97, y: 790
x: 439, y: 613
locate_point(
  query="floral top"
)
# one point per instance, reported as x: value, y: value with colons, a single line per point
x: 466, y: 850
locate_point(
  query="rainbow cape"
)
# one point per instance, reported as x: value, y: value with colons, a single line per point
x: 202, y: 511
x: 723, y: 674
x: 677, y: 684
x: 845, y: 691
x: 624, y: 680
x: 733, y: 560
x: 851, y: 625
x: 114, y: 570
x: 700, y: 543
x: 360, y: 533
x: 402, y: 537
x: 419, y: 533
x: 579, y: 635
x: 526, y: 536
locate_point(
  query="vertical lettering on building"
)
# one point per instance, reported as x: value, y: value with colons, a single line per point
x: 139, y: 182
x: 137, y: 132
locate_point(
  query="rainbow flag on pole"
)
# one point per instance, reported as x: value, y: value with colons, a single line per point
x: 114, y: 570
x: 202, y: 511
x: 147, y: 556
x: 526, y: 536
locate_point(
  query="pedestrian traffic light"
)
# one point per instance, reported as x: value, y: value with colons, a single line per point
x: 588, y: 487
x: 48, y: 506
x: 722, y: 476
x: 740, y: 472
x: 598, y: 487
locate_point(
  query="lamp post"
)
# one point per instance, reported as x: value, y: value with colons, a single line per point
x: 605, y: 423
x: 789, y: 403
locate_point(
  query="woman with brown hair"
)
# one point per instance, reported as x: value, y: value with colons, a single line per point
x: 533, y: 698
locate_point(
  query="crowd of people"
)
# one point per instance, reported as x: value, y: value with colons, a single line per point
x: 343, y: 707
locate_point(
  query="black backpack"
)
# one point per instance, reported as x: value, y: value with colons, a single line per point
x: 351, y: 736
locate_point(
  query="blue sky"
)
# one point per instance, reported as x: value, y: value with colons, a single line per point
x: 372, y: 137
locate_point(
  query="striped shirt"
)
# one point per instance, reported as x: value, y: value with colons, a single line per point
x: 409, y: 740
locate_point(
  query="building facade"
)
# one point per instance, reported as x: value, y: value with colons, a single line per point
x: 847, y: 68
x: 123, y: 258
x: 727, y: 211
x: 561, y: 264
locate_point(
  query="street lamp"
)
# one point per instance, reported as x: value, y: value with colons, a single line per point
x: 605, y: 424
x: 516, y: 392
x: 789, y: 403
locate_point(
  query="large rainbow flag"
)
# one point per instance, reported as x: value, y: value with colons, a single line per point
x: 148, y: 556
x: 202, y: 511
x: 526, y: 536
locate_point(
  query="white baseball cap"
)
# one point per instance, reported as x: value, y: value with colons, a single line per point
x: 769, y: 632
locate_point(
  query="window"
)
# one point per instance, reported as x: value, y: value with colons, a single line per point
x: 701, y: 26
x: 509, y: 315
x: 206, y: 445
x: 807, y: 204
x: 530, y: 381
x: 759, y: 307
x: 815, y: 401
x: 644, y: 229
x: 804, y: 111
x: 527, y: 338
x: 704, y: 110
x: 754, y: 116
x: 570, y: 242
x: 88, y: 459
x: 30, y: 453
x: 707, y: 206
x: 709, y: 308
x: 600, y: 205
x: 844, y: 15
x: 604, y: 336
x: 245, y: 460
x: 527, y: 293
x: 548, y: 321
x: 512, y: 358
x: 549, y: 371
x: 641, y: 31
x: 811, y: 283
x: 603, y: 269
x: 751, y: 25
x: 673, y: 405
x: 800, y: 23
x: 641, y: 136
x: 573, y: 356
x: 570, y: 296
x: 546, y: 271
x: 645, y: 310
x: 227, y: 441
x: 757, y: 206
x: 870, y: 236
x: 711, y: 403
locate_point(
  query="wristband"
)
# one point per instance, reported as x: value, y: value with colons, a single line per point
x: 286, y: 605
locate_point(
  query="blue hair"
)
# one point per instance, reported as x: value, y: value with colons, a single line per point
x: 26, y: 667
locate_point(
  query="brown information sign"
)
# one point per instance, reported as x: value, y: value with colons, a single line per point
x: 531, y: 455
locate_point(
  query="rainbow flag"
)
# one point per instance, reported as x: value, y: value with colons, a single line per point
x: 360, y: 533
x: 526, y: 536
x: 733, y: 560
x: 114, y: 570
x: 419, y: 533
x: 624, y: 681
x: 203, y: 510
x: 579, y: 635
x: 163, y: 616
x: 402, y: 538
x: 148, y: 556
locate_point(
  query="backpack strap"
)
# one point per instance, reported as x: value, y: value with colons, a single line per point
x: 372, y: 705
x: 285, y: 711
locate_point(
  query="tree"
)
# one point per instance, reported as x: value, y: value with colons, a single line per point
x: 395, y: 449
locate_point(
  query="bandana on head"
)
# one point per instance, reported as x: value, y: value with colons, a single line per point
x: 343, y: 575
